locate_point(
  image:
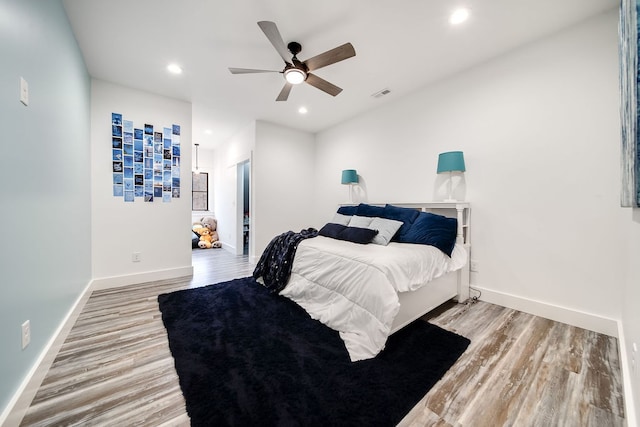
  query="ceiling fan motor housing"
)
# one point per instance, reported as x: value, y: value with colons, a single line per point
x: 294, y: 48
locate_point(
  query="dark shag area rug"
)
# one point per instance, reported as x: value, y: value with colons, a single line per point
x: 247, y: 357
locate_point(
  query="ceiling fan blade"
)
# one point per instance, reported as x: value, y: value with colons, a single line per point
x: 249, y: 71
x: 284, y: 93
x: 323, y: 85
x: 271, y: 31
x: 332, y: 56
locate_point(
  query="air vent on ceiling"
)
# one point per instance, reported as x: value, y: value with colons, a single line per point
x: 381, y: 93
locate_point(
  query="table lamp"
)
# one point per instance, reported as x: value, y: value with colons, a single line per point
x: 350, y: 177
x: 451, y: 161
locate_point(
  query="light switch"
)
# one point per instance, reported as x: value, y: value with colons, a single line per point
x: 24, y: 91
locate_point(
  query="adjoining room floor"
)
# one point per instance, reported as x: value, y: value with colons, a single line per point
x: 115, y: 367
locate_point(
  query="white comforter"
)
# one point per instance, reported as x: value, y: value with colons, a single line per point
x: 354, y: 288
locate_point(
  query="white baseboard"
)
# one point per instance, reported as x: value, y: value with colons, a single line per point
x: 227, y: 247
x: 566, y: 315
x: 132, y: 279
x: 19, y: 404
x: 629, y: 402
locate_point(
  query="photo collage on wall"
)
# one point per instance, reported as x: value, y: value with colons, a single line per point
x: 146, y: 162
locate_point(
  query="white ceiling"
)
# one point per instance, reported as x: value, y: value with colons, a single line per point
x: 400, y: 45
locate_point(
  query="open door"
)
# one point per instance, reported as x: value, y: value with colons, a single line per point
x: 244, y: 208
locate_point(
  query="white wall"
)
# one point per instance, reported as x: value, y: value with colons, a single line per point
x: 225, y: 184
x: 159, y: 231
x: 282, y: 183
x: 46, y: 212
x: 282, y: 173
x: 540, y: 130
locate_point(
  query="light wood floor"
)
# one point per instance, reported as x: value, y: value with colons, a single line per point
x: 115, y: 368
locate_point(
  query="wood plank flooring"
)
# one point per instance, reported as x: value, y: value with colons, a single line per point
x: 115, y: 367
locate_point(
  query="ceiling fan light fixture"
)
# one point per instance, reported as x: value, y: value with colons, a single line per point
x: 295, y: 76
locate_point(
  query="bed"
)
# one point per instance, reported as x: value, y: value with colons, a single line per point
x: 370, y: 291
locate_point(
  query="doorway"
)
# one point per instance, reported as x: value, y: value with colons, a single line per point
x: 244, y: 205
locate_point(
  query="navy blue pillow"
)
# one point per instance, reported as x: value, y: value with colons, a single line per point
x: 370, y: 211
x: 406, y: 215
x: 434, y: 230
x: 348, y: 210
x: 331, y: 230
x: 358, y: 235
x: 350, y: 234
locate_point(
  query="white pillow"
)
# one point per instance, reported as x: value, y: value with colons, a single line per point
x: 340, y: 219
x: 360, y: 221
x: 387, y: 228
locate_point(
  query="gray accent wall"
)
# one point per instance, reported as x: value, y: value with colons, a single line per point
x: 45, y: 227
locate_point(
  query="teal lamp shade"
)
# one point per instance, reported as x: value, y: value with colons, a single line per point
x: 349, y: 176
x: 452, y: 161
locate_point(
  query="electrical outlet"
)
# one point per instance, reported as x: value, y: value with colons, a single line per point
x: 136, y: 257
x: 26, y: 334
x: 474, y: 265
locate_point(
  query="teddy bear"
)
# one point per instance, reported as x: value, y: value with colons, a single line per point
x: 209, y: 238
x: 212, y: 224
x: 205, y: 241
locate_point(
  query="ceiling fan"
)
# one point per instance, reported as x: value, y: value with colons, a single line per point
x: 296, y: 71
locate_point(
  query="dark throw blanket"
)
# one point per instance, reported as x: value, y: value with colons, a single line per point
x: 248, y: 357
x: 277, y: 259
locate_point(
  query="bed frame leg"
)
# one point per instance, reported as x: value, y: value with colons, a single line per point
x: 463, y: 274
x: 463, y: 279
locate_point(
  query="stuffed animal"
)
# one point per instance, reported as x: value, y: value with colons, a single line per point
x: 212, y: 224
x: 206, y: 229
x: 209, y: 221
x: 205, y: 238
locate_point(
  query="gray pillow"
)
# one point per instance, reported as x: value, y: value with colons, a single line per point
x: 360, y: 221
x: 338, y: 218
x: 387, y: 228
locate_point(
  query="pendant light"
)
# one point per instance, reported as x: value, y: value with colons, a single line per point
x: 196, y: 171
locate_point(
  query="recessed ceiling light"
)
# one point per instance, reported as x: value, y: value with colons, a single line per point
x: 208, y: 131
x: 459, y: 16
x: 303, y: 110
x: 174, y: 69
